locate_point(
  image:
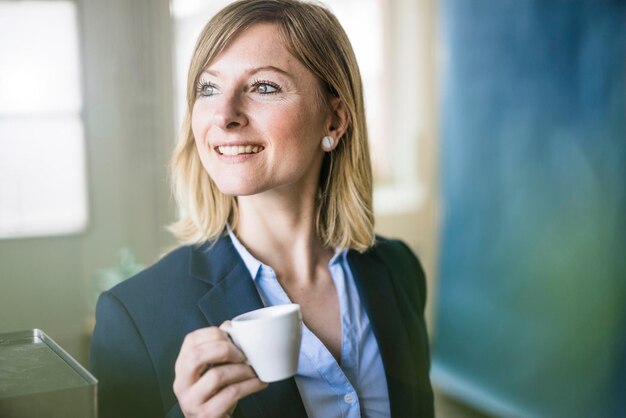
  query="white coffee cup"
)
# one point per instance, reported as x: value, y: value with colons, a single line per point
x: 270, y: 339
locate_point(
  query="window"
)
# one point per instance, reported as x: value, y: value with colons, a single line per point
x: 42, y: 168
x: 384, y: 37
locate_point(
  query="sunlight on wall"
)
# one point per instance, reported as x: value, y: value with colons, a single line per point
x: 42, y: 172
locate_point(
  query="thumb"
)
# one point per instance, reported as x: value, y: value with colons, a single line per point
x: 226, y: 325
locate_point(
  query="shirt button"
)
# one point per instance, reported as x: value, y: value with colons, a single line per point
x: 349, y: 398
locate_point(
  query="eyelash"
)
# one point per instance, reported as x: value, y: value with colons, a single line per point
x: 201, y: 85
x: 255, y: 84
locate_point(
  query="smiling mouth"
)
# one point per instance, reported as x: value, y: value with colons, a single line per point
x: 239, y: 149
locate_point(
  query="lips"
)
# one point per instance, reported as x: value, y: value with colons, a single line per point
x: 239, y: 149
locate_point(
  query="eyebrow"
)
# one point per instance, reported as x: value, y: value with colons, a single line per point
x: 251, y: 71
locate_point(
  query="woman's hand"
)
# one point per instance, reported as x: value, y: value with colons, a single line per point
x: 211, y: 375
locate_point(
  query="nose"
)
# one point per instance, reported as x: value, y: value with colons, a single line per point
x: 229, y: 113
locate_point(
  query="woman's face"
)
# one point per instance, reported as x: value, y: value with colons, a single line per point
x: 257, y: 120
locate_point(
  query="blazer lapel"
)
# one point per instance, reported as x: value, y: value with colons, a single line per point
x: 233, y: 293
x: 373, y: 280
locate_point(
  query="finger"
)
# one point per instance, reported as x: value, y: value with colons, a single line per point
x: 194, y: 362
x: 203, y: 335
x: 226, y: 324
x: 201, y: 350
x: 199, y: 340
x: 216, y: 379
x: 225, y: 399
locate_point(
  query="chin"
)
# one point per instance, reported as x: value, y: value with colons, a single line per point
x: 238, y: 188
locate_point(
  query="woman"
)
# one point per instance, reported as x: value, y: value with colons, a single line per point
x: 273, y: 180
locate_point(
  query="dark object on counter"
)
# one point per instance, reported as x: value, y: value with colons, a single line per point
x: 38, y: 378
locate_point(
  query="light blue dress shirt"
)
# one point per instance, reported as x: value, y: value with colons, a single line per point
x: 357, y: 387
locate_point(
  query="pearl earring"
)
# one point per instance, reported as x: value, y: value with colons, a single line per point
x: 327, y: 143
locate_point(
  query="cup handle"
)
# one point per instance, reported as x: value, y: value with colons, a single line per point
x: 228, y: 329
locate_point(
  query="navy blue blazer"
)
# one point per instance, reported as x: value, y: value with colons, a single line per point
x: 141, y: 324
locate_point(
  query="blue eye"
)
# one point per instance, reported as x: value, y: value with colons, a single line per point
x: 206, y: 89
x: 266, y: 87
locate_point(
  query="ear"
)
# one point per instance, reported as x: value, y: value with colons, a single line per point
x: 338, y: 119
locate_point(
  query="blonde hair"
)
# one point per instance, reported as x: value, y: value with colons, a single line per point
x: 344, y: 217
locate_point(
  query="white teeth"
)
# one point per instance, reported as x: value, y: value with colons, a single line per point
x: 239, y: 149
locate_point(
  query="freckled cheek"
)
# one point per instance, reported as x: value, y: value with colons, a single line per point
x: 292, y: 127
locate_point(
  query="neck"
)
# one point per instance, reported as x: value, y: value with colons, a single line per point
x: 281, y: 233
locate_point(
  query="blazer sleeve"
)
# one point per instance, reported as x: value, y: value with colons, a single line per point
x: 409, y: 277
x: 419, y: 276
x: 127, y: 382
x: 413, y: 293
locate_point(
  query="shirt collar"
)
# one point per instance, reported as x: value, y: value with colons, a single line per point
x: 253, y: 265
x: 338, y: 257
